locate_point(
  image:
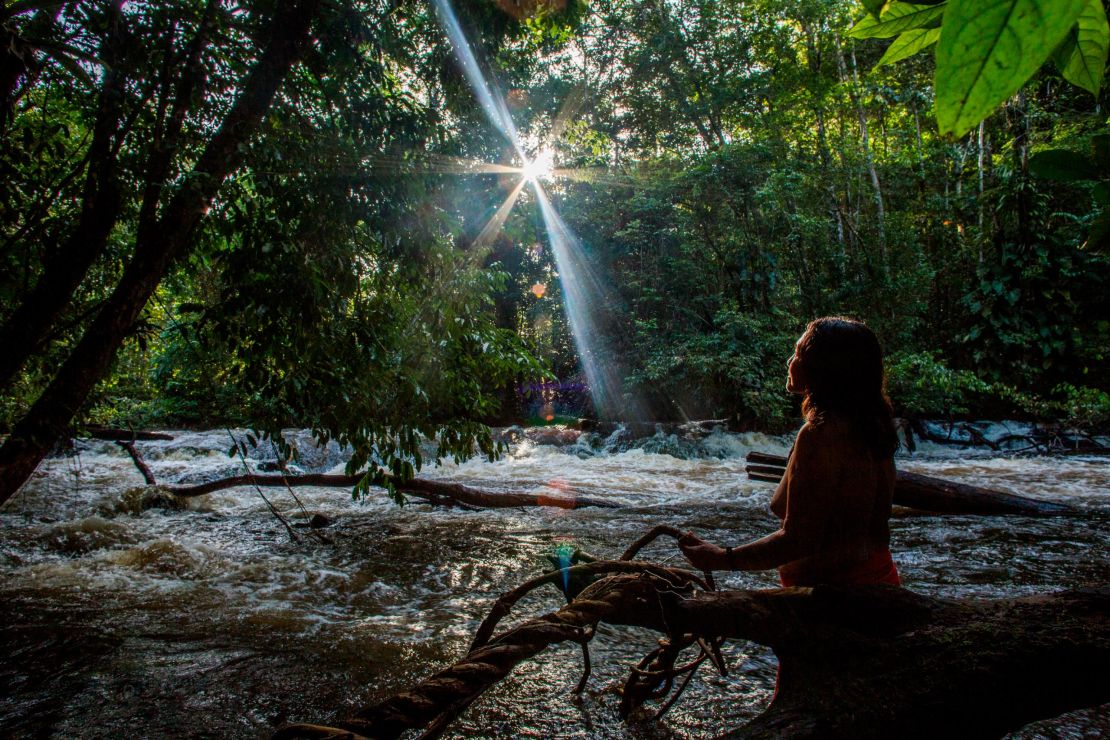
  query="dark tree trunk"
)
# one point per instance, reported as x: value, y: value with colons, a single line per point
x: 48, y: 419
x: 31, y: 322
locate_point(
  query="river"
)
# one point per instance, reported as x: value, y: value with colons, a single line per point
x: 211, y: 620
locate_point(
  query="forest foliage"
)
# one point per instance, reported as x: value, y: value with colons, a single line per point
x: 743, y: 167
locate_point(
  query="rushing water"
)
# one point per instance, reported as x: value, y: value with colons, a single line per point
x: 210, y: 620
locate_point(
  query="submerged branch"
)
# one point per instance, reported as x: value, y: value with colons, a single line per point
x: 114, y: 435
x: 418, y: 487
x: 435, y: 492
x: 136, y: 458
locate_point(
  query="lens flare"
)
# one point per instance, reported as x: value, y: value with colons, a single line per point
x: 539, y: 289
x: 539, y: 167
x: 586, y: 302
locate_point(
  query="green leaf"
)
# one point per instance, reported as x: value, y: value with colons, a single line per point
x: 988, y: 49
x: 908, y: 44
x: 896, y: 18
x: 874, y: 7
x: 1062, y: 165
x: 24, y: 6
x: 1082, y: 57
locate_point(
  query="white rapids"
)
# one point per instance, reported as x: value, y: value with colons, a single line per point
x: 120, y: 612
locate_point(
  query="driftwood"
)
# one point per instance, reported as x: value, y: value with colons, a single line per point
x: 136, y: 458
x: 863, y: 661
x: 927, y: 493
x: 124, y: 435
x: 436, y: 492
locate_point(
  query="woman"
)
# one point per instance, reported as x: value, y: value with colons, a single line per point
x: 834, y: 499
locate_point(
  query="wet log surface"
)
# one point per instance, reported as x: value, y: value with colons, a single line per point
x: 126, y: 435
x: 435, y: 491
x: 865, y: 661
x: 928, y: 493
x: 879, y: 661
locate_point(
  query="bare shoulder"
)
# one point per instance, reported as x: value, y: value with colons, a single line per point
x: 812, y: 441
x: 826, y: 430
x: 828, y: 434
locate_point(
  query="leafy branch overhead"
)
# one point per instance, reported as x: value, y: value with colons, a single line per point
x: 987, y: 49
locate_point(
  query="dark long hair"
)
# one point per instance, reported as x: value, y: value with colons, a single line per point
x: 841, y: 363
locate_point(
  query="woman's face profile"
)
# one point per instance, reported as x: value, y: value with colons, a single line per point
x: 795, y: 382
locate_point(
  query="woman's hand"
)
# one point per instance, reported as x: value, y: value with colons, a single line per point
x: 701, y: 554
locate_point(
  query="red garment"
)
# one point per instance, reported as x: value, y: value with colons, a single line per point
x: 878, y: 568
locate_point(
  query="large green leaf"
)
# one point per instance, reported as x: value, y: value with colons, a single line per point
x: 908, y: 44
x: 1082, y: 56
x: 1063, y: 165
x: 896, y: 18
x: 874, y: 7
x: 987, y: 51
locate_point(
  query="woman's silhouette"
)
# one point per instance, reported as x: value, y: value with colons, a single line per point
x: 834, y: 499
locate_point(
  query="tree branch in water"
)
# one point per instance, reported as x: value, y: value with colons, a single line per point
x: 435, y: 492
x: 855, y: 661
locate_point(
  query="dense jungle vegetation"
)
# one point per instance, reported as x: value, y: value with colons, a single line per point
x: 253, y: 203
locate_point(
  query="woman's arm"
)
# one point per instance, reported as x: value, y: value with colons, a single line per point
x: 810, y: 482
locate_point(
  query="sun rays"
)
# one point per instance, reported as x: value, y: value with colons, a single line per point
x: 585, y: 299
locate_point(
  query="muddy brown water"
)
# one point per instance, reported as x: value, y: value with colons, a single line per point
x: 210, y: 621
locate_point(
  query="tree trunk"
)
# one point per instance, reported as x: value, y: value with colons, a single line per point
x: 813, y: 61
x: 1020, y: 128
x: 865, y: 142
x: 863, y: 661
x: 878, y: 661
x: 48, y: 419
x: 920, y: 147
x: 30, y: 324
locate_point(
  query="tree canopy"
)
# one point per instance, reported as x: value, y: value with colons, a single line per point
x: 259, y: 213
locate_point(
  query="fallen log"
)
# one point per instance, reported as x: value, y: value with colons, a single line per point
x: 435, y: 492
x: 137, y: 459
x: 418, y: 487
x: 862, y: 661
x: 879, y: 661
x: 929, y: 493
x: 116, y: 435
